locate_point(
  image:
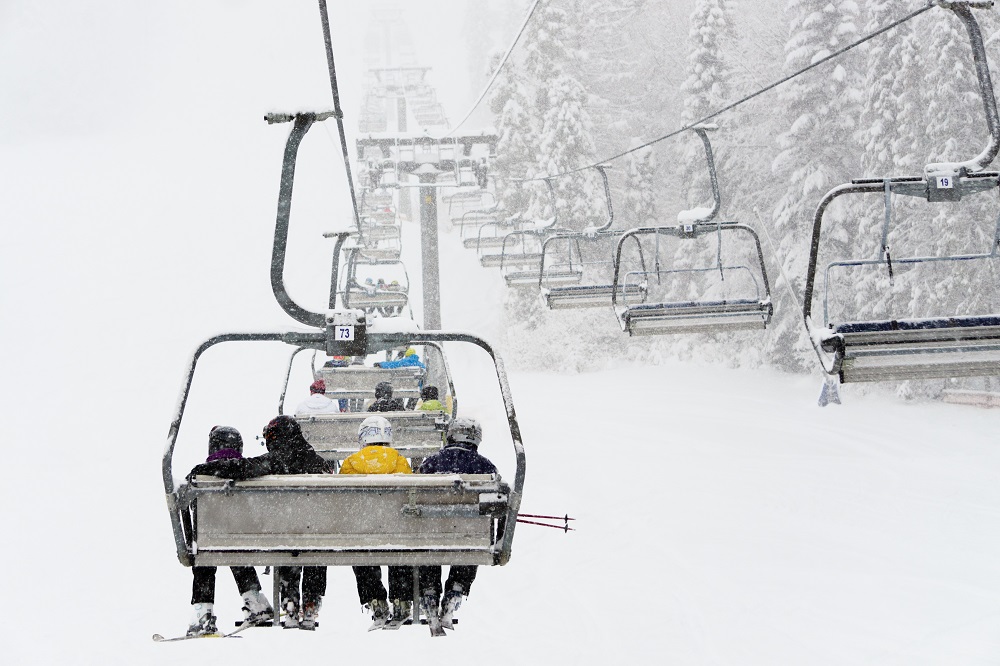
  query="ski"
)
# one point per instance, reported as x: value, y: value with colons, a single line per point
x: 395, y: 623
x: 377, y: 623
x: 160, y: 639
x: 436, y: 626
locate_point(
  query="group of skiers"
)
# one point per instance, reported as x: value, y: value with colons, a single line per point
x: 319, y: 403
x: 288, y: 452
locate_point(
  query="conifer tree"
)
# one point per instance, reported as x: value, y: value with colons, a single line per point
x: 822, y: 108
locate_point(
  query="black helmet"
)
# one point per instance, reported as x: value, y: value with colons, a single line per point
x: 224, y: 437
x: 281, y: 428
x: 429, y: 393
x: 383, y: 390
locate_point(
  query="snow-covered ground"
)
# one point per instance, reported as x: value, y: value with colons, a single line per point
x: 722, y: 517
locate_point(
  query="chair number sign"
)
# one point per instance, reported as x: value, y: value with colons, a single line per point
x: 945, y: 183
x: 345, y: 333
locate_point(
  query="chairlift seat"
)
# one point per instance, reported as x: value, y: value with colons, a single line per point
x: 530, y: 278
x: 329, y: 519
x: 379, y: 298
x: 591, y: 295
x: 378, y: 255
x: 491, y: 242
x: 334, y: 435
x: 358, y: 382
x: 696, y: 316
x: 895, y: 350
x: 497, y: 260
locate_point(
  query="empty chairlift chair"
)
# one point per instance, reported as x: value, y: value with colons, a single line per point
x: 521, y: 249
x: 937, y: 344
x: 731, y: 293
x: 571, y: 258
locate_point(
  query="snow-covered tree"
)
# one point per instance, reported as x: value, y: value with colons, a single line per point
x: 816, y: 151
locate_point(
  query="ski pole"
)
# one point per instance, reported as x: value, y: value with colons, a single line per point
x: 531, y: 515
x: 564, y: 528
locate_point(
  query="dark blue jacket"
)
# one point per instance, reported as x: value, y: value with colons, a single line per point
x: 454, y: 459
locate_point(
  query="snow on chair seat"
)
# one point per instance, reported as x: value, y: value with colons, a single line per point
x: 328, y: 519
x: 335, y: 436
x: 915, y: 348
x: 359, y: 381
x: 591, y: 295
x: 697, y: 316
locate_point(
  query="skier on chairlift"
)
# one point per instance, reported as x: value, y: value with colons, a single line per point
x: 384, y: 402
x: 288, y: 452
x: 460, y: 455
x: 378, y: 457
x: 409, y: 359
x: 225, y: 443
x: 318, y: 403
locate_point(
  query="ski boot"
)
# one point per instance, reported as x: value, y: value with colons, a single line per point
x: 256, y: 608
x: 452, y: 600
x: 401, y: 610
x: 429, y: 607
x: 291, y: 614
x: 203, y: 623
x: 310, y: 613
x: 380, y: 613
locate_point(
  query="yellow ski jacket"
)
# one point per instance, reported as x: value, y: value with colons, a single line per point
x: 376, y: 460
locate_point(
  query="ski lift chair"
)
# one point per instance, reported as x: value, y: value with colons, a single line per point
x: 373, y: 298
x: 894, y: 349
x: 334, y: 520
x: 346, y: 520
x: 521, y: 249
x: 665, y: 316
x: 562, y: 273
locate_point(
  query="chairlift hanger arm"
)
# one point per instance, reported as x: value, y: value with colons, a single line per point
x: 963, y: 9
x: 303, y: 122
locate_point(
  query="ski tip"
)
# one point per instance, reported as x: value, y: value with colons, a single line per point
x: 158, y: 638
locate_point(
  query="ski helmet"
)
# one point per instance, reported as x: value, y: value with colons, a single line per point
x: 375, y: 430
x: 429, y: 393
x: 465, y: 431
x: 410, y: 352
x: 224, y: 437
x: 383, y: 390
x: 281, y: 428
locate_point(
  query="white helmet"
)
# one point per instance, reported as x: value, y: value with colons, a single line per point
x: 375, y: 430
x: 465, y: 431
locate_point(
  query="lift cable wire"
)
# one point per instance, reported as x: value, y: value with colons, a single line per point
x: 499, y: 68
x: 337, y: 112
x: 743, y: 100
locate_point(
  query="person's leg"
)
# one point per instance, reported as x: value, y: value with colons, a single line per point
x: 202, y: 601
x: 401, y: 583
x: 461, y: 575
x: 313, y: 584
x: 246, y: 579
x: 203, y: 585
x: 313, y: 589
x: 256, y: 608
x: 430, y: 580
x: 369, y: 580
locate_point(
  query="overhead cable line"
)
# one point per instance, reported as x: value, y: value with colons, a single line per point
x: 337, y: 112
x: 738, y: 102
x: 496, y: 73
